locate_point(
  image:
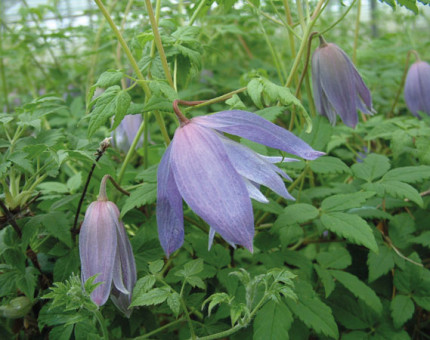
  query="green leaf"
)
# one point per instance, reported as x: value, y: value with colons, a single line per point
x: 156, y: 266
x: 26, y: 282
x: 312, y: 311
x: 402, y: 308
x: 359, y: 289
x: 145, y: 194
x: 19, y: 158
x: 109, y: 78
x: 423, y: 239
x: 123, y: 101
x: 66, y: 265
x: 195, y: 281
x: 409, y: 4
x: 350, y: 226
x: 373, y: 167
x: 174, y: 303
x: 326, y: 279
x: 56, y: 224
x: 408, y: 174
x: 402, y: 190
x: 345, y: 201
x: 329, y: 165
x: 338, y: 258
x: 143, y: 285
x: 296, y: 213
x: 153, y: 297
x: 272, y: 322
x: 105, y: 107
x: 380, y: 263
x: 158, y: 103
x: 193, y: 267
x: 319, y: 137
x: 255, y: 90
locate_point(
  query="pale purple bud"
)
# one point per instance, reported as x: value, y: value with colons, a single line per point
x: 217, y: 177
x: 105, y: 250
x: 417, y: 88
x: 126, y: 131
x: 337, y: 86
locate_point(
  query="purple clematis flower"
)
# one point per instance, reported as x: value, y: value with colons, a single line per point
x: 417, y: 88
x: 217, y: 177
x: 106, y: 250
x: 124, y: 134
x: 337, y: 85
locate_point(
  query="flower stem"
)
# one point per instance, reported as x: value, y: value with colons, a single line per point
x: 158, y: 43
x: 340, y: 19
x: 158, y: 330
x: 100, y: 151
x: 356, y: 32
x: 187, y: 316
x: 102, y: 194
x: 218, y: 99
x: 135, y: 67
x: 102, y: 324
x: 402, y: 82
x: 196, y: 12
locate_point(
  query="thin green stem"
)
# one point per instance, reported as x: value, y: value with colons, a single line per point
x: 3, y: 76
x: 402, y: 82
x: 157, y: 20
x: 290, y: 34
x: 131, y: 150
x: 222, y: 334
x: 145, y: 139
x: 217, y: 99
x: 187, y: 316
x: 300, y: 12
x: 338, y: 20
x: 196, y: 12
x: 135, y: 67
x: 102, y: 324
x: 118, y: 46
x: 356, y: 33
x: 158, y: 42
x: 272, y: 52
x: 306, y: 33
x: 160, y: 329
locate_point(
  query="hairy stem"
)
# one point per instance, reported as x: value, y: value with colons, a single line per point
x: 158, y: 42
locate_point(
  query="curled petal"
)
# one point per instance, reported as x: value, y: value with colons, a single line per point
x: 97, y: 248
x: 170, y: 217
x: 210, y: 185
x: 254, y: 192
x: 255, y: 168
x: 250, y: 126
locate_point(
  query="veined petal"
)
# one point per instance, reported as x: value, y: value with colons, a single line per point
x: 417, y: 87
x: 250, y: 126
x: 170, y: 217
x: 210, y: 185
x: 97, y: 248
x: 254, y: 192
x: 337, y: 82
x: 250, y: 165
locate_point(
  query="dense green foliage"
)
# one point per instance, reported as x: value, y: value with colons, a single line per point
x: 348, y: 259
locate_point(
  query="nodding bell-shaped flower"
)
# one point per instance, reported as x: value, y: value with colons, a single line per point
x: 417, y: 88
x: 217, y: 177
x: 105, y: 250
x: 126, y: 131
x: 337, y: 85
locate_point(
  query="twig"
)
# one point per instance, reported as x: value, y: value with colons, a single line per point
x: 10, y: 219
x: 100, y: 151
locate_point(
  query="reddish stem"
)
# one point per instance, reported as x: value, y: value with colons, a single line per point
x: 184, y: 120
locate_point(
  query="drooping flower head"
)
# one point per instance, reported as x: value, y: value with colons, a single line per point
x: 126, y: 131
x: 337, y: 85
x: 217, y: 177
x: 105, y: 250
x: 417, y: 88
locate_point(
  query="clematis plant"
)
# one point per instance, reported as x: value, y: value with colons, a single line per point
x: 217, y: 177
x: 417, y: 88
x: 105, y: 250
x: 337, y: 86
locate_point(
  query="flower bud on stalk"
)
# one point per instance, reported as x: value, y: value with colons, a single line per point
x: 105, y: 250
x: 417, y: 88
x: 337, y: 85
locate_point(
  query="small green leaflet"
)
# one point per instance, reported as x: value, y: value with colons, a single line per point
x: 153, y: 297
x: 329, y: 165
x: 111, y: 102
x: 326, y: 279
x: 296, y: 213
x: 350, y: 226
x: 145, y: 194
x: 345, y: 201
x: 359, y: 289
x: 408, y: 174
x: 380, y: 263
x: 402, y: 308
x: 272, y: 322
x: 373, y: 167
x: 338, y: 258
x: 106, y: 79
